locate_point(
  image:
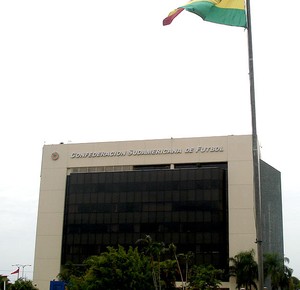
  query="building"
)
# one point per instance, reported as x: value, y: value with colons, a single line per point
x: 195, y: 192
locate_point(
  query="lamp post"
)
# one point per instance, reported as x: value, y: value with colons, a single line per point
x: 23, y: 266
x: 4, y: 282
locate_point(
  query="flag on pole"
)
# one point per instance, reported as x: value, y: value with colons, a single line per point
x: 16, y: 272
x: 227, y: 12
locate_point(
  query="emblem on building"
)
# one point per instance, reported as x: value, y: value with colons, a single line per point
x: 54, y: 156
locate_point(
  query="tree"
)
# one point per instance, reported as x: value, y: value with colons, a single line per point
x: 205, y: 277
x: 22, y: 284
x: 244, y: 268
x: 168, y: 274
x: 295, y: 283
x: 70, y: 271
x: 286, y: 278
x: 153, y: 250
x: 116, y: 269
x: 279, y: 273
x: 172, y: 249
x: 187, y: 258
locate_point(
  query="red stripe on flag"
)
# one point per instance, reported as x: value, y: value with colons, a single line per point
x: 168, y: 20
x: 15, y: 272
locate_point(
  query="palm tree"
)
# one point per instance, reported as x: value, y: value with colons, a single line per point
x: 168, y: 272
x: 295, y: 283
x: 286, y: 278
x: 187, y: 258
x: 279, y: 273
x: 153, y: 250
x: 244, y: 268
x: 172, y: 249
x: 273, y: 268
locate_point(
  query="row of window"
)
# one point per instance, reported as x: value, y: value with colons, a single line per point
x: 173, y: 178
x: 186, y: 206
x: 109, y: 186
x: 170, y: 228
x: 146, y: 217
x: 145, y: 196
x: 202, y: 257
x: 208, y: 240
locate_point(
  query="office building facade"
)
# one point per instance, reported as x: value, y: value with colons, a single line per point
x: 194, y: 192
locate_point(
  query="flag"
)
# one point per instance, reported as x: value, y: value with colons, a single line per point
x: 227, y: 12
x: 16, y: 272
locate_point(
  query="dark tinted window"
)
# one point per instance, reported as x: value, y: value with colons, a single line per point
x: 186, y: 206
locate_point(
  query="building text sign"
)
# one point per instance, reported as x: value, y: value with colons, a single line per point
x: 143, y: 152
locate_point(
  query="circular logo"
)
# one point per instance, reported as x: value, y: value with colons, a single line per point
x: 54, y: 156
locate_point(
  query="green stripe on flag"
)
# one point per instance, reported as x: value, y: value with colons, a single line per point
x: 233, y: 17
x: 202, y: 8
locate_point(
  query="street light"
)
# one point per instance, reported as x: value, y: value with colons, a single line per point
x: 4, y: 281
x: 23, y: 266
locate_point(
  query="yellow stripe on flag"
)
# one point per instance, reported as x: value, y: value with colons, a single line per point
x: 215, y: 2
x: 231, y: 4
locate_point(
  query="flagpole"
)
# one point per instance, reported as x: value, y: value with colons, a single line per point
x: 255, y: 155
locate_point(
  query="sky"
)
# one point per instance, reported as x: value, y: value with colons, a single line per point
x: 91, y: 71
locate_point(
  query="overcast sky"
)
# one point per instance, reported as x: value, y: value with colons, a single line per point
x: 89, y: 71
